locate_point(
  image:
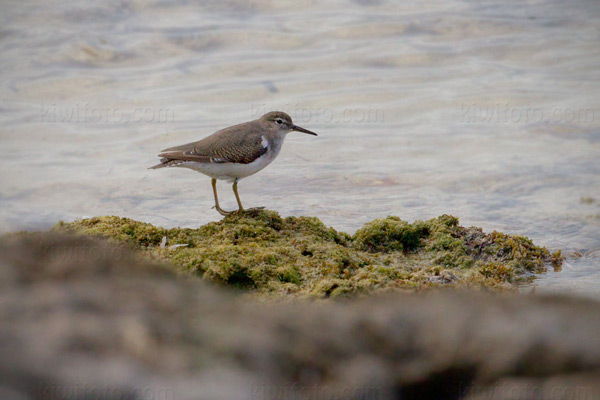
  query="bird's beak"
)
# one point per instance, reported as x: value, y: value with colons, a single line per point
x: 299, y: 129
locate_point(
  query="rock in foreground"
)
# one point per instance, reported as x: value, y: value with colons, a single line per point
x: 84, y: 319
x: 300, y: 256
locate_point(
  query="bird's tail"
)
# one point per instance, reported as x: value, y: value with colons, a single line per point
x: 164, y: 162
x: 168, y: 162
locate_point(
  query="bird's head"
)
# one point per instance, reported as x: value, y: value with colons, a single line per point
x: 283, y: 122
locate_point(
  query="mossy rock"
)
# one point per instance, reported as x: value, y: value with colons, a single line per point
x: 265, y: 254
x: 390, y: 234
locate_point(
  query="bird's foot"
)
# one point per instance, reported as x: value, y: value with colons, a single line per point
x: 252, y: 210
x: 223, y: 212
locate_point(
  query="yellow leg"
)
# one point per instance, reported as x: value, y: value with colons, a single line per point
x: 219, y: 209
x: 237, y: 196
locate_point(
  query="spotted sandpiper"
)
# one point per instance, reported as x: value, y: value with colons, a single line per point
x: 233, y: 153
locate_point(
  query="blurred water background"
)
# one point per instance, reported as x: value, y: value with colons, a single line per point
x: 485, y: 110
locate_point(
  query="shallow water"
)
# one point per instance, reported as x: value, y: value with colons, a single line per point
x: 485, y: 110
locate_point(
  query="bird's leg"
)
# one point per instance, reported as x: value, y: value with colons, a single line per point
x: 219, y: 209
x: 237, y: 196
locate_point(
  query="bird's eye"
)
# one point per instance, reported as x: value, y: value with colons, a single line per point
x: 279, y: 121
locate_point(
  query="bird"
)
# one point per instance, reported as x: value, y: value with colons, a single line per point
x: 233, y: 153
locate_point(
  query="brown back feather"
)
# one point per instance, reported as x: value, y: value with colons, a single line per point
x: 240, y: 144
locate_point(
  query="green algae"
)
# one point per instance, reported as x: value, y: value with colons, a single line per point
x: 263, y: 253
x: 390, y: 234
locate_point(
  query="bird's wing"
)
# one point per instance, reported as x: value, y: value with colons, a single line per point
x: 236, y: 144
